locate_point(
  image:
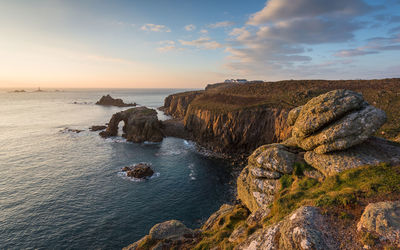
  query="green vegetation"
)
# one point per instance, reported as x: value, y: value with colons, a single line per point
x: 343, y: 190
x: 219, y: 234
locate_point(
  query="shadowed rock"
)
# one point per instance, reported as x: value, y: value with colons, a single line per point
x: 97, y: 127
x: 372, y: 152
x: 107, y: 100
x: 141, y: 124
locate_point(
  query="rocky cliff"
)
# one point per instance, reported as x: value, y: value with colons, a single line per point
x: 177, y: 104
x: 238, y: 131
x: 237, y: 118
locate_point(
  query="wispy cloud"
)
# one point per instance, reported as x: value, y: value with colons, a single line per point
x: 202, y: 43
x: 155, y: 27
x: 221, y: 24
x: 190, y: 27
x: 168, y: 45
x: 203, y: 31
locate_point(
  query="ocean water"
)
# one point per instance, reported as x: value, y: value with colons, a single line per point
x: 62, y: 190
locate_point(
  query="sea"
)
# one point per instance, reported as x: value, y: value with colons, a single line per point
x: 65, y: 190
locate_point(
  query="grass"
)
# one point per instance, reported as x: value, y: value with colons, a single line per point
x: 219, y: 234
x: 344, y: 189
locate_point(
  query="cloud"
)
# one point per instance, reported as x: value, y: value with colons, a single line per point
x: 278, y: 38
x: 203, y: 31
x: 155, y: 27
x: 277, y: 10
x: 202, y: 43
x: 374, y: 45
x: 221, y: 24
x: 190, y: 27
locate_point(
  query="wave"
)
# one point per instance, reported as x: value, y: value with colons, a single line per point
x: 192, y: 173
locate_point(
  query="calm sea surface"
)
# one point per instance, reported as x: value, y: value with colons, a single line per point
x: 62, y: 190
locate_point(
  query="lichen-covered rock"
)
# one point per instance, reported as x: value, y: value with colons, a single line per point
x: 374, y: 151
x: 324, y: 109
x: 170, y: 230
x: 350, y: 130
x: 305, y: 228
x: 141, y: 124
x: 335, y: 121
x: 293, y: 115
x: 259, y: 180
x: 382, y: 218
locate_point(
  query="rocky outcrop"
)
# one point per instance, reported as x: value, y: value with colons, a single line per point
x: 166, y: 235
x: 259, y: 180
x: 177, y: 104
x: 97, y: 127
x: 305, y: 228
x: 335, y: 121
x: 383, y: 219
x: 140, y: 171
x: 107, y: 100
x: 141, y: 124
x: 374, y: 151
x: 237, y: 132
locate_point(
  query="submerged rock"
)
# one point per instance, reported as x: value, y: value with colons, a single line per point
x: 107, y: 100
x: 97, y: 127
x: 382, y: 218
x: 372, y: 152
x: 71, y: 130
x: 335, y: 121
x: 140, y: 171
x: 141, y: 124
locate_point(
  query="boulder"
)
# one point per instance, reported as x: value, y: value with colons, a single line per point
x: 259, y: 180
x: 166, y: 235
x: 141, y: 124
x: 213, y: 220
x: 305, y: 228
x: 169, y: 230
x: 334, y: 121
x: 373, y: 151
x: 107, y: 100
x: 383, y: 219
x: 140, y: 171
x: 346, y: 132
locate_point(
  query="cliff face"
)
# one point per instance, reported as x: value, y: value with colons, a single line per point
x: 177, y: 104
x: 239, y: 131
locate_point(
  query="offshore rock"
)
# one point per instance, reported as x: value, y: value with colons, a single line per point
x: 335, y: 121
x: 140, y: 171
x: 305, y: 228
x: 107, y: 100
x: 97, y: 127
x: 141, y: 124
x: 382, y: 218
x: 258, y: 182
x: 374, y: 151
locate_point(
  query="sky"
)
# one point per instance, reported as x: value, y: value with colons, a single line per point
x: 190, y: 43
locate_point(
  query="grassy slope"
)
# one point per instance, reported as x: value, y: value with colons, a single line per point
x: 341, y: 197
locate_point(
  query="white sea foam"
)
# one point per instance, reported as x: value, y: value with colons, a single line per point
x: 117, y: 139
x: 192, y: 173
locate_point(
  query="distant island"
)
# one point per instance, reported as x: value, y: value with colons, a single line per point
x: 107, y: 100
